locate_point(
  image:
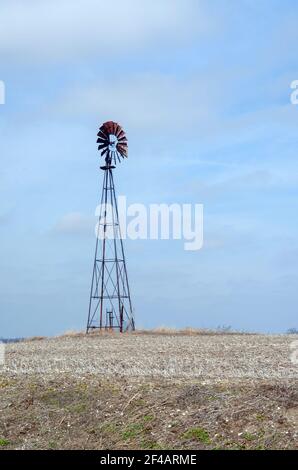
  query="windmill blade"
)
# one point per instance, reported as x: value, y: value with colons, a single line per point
x: 122, y: 154
x: 104, y: 152
x: 121, y: 134
x: 122, y: 143
x: 102, y: 134
x: 104, y: 128
x: 102, y: 146
x: 103, y: 141
x: 115, y: 125
x: 109, y: 127
x: 122, y: 148
x: 118, y: 130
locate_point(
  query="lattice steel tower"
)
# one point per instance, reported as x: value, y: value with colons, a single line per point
x: 110, y: 303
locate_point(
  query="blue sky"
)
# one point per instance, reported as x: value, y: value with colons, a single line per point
x: 203, y: 92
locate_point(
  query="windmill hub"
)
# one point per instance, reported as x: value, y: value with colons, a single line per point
x: 113, y: 143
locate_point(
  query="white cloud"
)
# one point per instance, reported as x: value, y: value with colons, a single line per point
x: 149, y: 102
x: 188, y: 108
x: 65, y: 29
x: 74, y: 223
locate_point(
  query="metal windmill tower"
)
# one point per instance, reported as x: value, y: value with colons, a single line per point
x: 110, y: 304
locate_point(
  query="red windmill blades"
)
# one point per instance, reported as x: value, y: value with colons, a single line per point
x: 112, y: 142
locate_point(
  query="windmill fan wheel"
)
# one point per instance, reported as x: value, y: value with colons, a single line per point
x: 112, y: 142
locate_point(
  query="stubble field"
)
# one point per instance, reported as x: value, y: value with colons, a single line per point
x: 150, y: 391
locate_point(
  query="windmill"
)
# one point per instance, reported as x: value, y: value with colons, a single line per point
x: 110, y: 305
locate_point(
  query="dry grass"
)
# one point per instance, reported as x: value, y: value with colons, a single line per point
x: 169, y: 391
x: 161, y: 330
x: 34, y: 338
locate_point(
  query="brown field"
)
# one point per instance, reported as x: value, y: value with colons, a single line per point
x: 156, y: 390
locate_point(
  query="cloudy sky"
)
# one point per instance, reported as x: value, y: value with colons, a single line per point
x: 203, y: 91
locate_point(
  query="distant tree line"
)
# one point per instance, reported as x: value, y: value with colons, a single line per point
x: 11, y: 340
x: 292, y: 331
